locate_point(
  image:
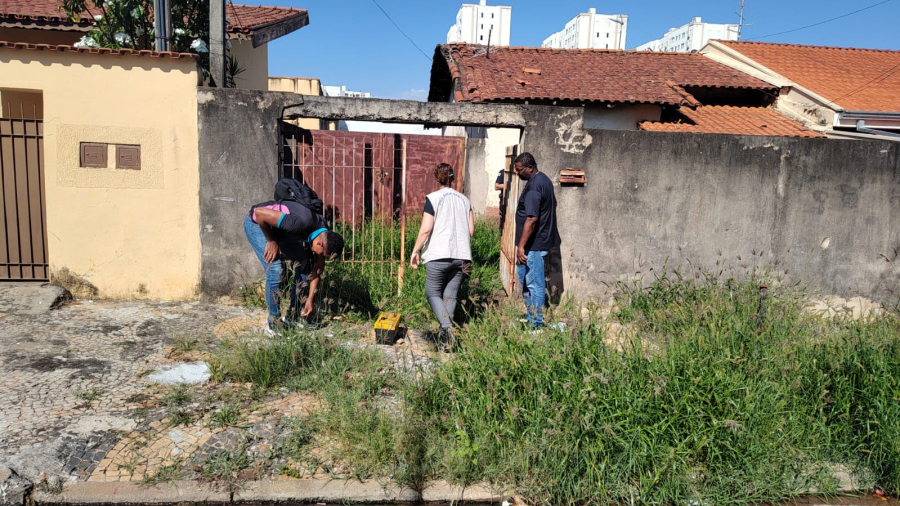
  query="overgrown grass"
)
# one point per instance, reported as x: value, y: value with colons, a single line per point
x: 360, y: 289
x: 701, y: 405
x: 703, y: 401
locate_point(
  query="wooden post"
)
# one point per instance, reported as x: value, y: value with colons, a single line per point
x: 402, y: 269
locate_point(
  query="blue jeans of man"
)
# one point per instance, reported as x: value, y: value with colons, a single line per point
x: 534, y: 286
x: 274, y: 273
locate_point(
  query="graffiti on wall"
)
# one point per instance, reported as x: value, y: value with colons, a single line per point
x: 570, y: 133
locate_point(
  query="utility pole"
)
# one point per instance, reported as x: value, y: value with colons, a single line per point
x: 741, y: 22
x: 217, y: 42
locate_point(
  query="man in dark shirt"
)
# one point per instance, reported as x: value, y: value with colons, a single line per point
x: 536, y: 234
x: 287, y: 230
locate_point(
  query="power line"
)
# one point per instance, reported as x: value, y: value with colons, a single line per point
x: 821, y: 22
x: 404, y: 33
x: 881, y: 77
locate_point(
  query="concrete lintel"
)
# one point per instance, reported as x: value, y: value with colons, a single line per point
x: 269, y: 33
x: 408, y: 111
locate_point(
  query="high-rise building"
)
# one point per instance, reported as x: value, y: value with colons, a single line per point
x: 590, y: 30
x: 691, y: 37
x: 481, y: 24
x: 342, y: 91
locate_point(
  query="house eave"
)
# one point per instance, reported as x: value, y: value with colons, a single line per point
x: 268, y: 33
x: 881, y: 120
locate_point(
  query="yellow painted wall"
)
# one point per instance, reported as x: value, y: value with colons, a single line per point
x: 302, y: 86
x: 255, y: 62
x: 130, y: 233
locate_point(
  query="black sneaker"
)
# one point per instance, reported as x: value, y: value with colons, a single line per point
x: 447, y: 340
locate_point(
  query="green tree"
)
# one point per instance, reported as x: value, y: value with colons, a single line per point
x: 128, y: 24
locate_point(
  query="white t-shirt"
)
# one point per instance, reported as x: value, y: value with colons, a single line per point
x: 450, y: 236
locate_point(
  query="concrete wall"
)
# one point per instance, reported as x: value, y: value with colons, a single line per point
x: 131, y: 233
x: 483, y: 166
x: 255, y: 62
x: 301, y: 86
x: 819, y: 211
x: 239, y: 160
x: 621, y: 117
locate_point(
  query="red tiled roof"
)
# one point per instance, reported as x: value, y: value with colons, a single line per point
x: 854, y: 79
x: 247, y: 18
x: 241, y: 18
x: 733, y: 120
x: 95, y: 50
x: 583, y: 75
x: 42, y: 10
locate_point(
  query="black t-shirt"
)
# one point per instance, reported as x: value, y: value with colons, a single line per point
x: 538, y: 200
x: 499, y: 180
x: 294, y: 228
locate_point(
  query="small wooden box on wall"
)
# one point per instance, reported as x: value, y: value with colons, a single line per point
x: 571, y: 177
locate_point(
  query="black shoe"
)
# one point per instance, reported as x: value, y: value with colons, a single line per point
x: 447, y: 340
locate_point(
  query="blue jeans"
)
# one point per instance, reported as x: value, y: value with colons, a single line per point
x: 534, y: 286
x: 274, y: 273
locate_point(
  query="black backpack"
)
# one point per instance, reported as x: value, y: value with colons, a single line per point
x: 292, y: 189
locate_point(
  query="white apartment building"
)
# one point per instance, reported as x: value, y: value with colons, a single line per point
x: 481, y: 24
x: 691, y: 37
x: 342, y: 91
x: 590, y: 30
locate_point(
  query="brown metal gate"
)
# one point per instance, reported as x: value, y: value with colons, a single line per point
x: 23, y: 230
x: 508, y: 237
x: 370, y: 183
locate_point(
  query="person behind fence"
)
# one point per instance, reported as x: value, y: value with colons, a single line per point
x: 536, y: 234
x: 286, y: 230
x: 447, y: 226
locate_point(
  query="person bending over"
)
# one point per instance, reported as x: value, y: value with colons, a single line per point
x: 280, y: 231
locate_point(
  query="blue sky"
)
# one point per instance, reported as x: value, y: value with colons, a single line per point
x: 352, y: 43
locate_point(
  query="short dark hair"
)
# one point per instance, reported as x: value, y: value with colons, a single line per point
x: 526, y: 160
x: 334, y: 244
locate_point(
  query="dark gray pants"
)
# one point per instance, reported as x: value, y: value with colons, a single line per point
x: 442, y: 281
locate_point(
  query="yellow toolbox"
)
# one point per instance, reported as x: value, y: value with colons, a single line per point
x: 387, y: 327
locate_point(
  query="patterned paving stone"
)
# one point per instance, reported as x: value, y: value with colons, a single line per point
x: 75, y: 401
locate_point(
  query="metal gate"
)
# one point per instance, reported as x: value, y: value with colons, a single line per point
x: 369, y: 183
x: 23, y: 230
x: 508, y: 235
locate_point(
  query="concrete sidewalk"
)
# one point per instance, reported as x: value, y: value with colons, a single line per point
x: 81, y: 422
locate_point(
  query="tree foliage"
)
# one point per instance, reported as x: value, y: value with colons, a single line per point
x: 129, y: 24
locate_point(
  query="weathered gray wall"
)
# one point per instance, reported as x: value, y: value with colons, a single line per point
x: 239, y: 160
x: 823, y: 212
x: 238, y: 168
x: 652, y: 200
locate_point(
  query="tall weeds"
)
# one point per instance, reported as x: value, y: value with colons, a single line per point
x: 702, y: 404
x: 370, y: 282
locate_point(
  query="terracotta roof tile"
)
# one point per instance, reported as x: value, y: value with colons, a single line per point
x: 242, y: 18
x: 93, y: 50
x: 247, y: 18
x: 732, y: 120
x: 854, y: 79
x: 583, y: 75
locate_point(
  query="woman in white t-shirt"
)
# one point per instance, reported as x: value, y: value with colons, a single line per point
x: 447, y: 225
